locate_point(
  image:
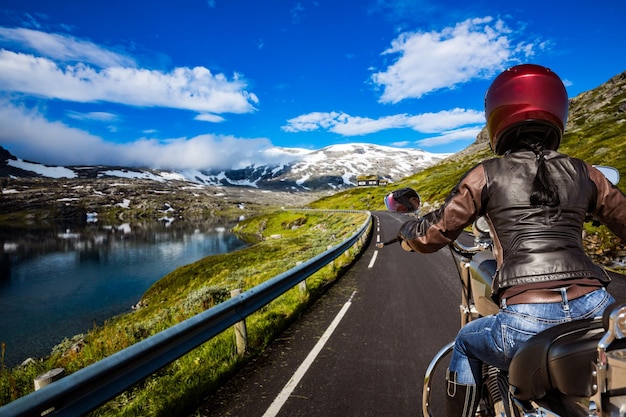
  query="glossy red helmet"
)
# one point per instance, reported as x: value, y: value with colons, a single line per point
x: 525, y: 98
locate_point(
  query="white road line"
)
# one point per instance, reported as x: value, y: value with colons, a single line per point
x: 371, y: 265
x: 280, y: 400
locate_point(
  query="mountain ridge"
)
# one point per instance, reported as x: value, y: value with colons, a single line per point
x: 330, y: 168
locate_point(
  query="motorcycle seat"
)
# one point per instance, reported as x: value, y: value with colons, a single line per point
x: 559, y: 359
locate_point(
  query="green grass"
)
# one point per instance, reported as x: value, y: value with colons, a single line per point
x: 284, y: 238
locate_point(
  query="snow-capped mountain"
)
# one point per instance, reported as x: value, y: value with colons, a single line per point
x: 333, y: 167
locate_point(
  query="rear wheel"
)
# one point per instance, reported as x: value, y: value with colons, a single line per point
x: 434, y: 390
x: 496, y: 393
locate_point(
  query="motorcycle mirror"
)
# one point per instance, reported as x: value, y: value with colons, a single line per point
x: 614, y: 321
x: 481, y: 227
x: 403, y: 200
x: 612, y: 174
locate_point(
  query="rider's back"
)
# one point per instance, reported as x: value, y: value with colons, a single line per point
x: 539, y: 243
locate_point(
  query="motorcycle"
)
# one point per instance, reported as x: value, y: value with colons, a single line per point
x: 572, y: 369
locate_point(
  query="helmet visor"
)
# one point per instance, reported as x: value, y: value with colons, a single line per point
x: 393, y: 205
x: 402, y: 200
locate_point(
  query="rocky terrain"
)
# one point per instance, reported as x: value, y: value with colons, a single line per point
x: 38, y: 199
x: 38, y: 196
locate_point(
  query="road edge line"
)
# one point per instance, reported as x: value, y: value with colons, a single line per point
x: 282, y: 397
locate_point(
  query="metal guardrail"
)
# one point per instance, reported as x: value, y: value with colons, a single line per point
x: 92, y: 386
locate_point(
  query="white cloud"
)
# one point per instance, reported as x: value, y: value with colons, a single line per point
x: 98, y: 116
x: 183, y: 88
x: 199, y: 152
x: 29, y: 135
x: 62, y: 67
x: 208, y: 117
x: 312, y: 121
x: 444, y: 120
x: 21, y: 133
x: 354, y: 125
x: 431, y: 61
x: 469, y: 133
x: 63, y: 47
x: 347, y: 125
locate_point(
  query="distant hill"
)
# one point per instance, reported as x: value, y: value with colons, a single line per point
x: 331, y: 168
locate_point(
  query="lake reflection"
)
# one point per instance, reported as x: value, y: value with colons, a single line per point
x: 56, y: 282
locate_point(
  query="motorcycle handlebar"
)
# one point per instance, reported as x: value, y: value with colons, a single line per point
x: 464, y: 248
x: 458, y: 247
x: 381, y: 245
x: 467, y: 251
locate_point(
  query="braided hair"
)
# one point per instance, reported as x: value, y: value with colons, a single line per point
x: 543, y: 192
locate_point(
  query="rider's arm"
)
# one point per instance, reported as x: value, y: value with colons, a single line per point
x: 441, y: 227
x: 610, y: 206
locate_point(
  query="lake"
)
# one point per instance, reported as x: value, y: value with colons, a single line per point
x: 58, y: 281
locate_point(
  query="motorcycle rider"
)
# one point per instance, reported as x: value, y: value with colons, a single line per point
x: 536, y: 201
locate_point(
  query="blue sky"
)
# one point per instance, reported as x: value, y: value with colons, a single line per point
x: 222, y: 83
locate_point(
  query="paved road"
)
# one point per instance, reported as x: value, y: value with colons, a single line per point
x: 400, y: 311
x: 388, y: 316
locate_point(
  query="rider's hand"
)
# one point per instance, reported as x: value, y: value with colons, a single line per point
x: 407, y: 232
x: 406, y: 246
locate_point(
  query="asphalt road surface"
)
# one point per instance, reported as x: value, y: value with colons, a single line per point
x: 363, y: 348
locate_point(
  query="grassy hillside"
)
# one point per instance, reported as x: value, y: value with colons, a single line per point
x: 432, y: 184
x: 596, y: 132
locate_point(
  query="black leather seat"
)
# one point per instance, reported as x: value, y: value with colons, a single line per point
x: 560, y: 358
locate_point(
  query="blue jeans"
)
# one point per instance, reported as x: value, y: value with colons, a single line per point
x: 495, y: 339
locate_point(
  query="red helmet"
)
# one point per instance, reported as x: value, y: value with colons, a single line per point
x: 525, y: 96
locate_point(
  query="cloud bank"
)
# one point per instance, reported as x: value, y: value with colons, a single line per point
x: 22, y: 130
x: 347, y: 125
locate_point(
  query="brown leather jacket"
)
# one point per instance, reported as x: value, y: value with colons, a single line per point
x: 532, y: 244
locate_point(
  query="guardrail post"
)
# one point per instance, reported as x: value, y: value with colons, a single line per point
x: 331, y: 264
x: 48, y: 377
x: 302, y: 285
x: 241, y: 332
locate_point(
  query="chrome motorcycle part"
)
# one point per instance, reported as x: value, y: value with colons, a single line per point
x: 611, y: 174
x: 428, y: 376
x: 610, y: 372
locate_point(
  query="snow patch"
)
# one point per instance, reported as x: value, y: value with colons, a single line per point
x: 124, y: 204
x: 44, y: 170
x: 132, y: 175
